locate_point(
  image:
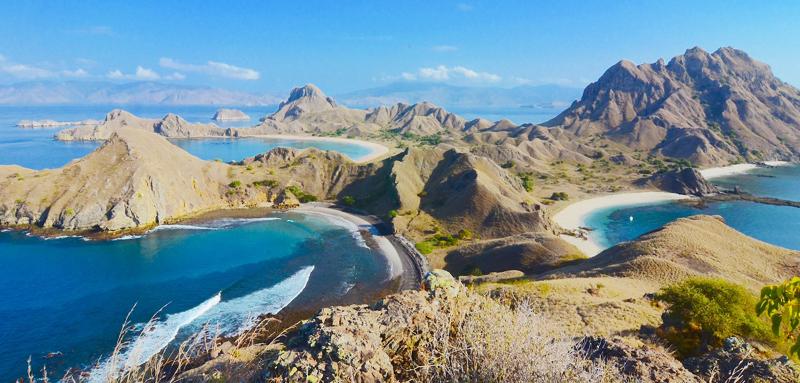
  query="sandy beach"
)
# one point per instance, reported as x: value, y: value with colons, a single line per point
x: 723, y: 171
x: 376, y: 150
x: 358, y: 223
x: 574, y: 215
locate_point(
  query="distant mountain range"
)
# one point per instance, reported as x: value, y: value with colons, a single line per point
x: 451, y: 96
x: 133, y: 93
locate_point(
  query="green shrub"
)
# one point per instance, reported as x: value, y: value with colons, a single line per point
x: 69, y: 212
x: 559, y: 196
x: 301, y: 195
x: 348, y: 200
x: 393, y: 213
x: 507, y: 165
x: 424, y: 247
x: 464, y: 234
x: 704, y: 311
x: 266, y: 183
x: 235, y: 184
x: 527, y: 182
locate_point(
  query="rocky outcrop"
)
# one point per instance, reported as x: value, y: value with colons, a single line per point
x: 710, y: 108
x: 230, y: 115
x: 683, y: 181
x: 303, y: 100
x: 171, y: 125
x: 741, y: 359
x: 420, y: 119
x: 640, y: 363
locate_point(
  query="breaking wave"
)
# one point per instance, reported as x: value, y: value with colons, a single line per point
x: 232, y: 317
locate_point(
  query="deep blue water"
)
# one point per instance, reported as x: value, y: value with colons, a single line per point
x: 36, y: 148
x: 778, y: 225
x: 72, y: 295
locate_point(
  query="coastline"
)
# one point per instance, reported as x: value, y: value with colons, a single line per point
x: 376, y: 150
x: 724, y: 171
x: 397, y: 262
x: 573, y: 216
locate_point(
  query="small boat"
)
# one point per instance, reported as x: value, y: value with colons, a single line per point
x: 630, y: 218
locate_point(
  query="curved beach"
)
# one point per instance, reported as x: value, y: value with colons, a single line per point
x: 724, y: 171
x: 376, y: 150
x: 573, y: 217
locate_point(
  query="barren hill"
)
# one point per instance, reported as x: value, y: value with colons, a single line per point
x: 693, y: 246
x: 135, y: 179
x: 711, y: 108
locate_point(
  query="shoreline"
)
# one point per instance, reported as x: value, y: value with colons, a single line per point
x: 724, y: 171
x: 376, y: 150
x: 573, y: 216
x: 399, y: 262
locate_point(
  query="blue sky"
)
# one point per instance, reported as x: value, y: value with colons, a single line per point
x: 268, y: 46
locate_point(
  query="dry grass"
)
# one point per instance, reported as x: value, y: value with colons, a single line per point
x: 491, y: 342
x: 124, y: 364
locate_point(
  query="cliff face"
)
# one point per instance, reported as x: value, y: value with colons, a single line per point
x: 711, y: 108
x: 684, y: 181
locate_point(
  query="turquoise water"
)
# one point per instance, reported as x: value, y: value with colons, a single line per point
x: 71, y: 295
x: 778, y: 225
x: 36, y: 148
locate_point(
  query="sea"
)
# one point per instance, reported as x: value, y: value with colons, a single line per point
x: 778, y: 225
x: 64, y: 300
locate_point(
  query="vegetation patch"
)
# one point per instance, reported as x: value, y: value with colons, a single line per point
x: 704, y: 311
x: 301, y: 195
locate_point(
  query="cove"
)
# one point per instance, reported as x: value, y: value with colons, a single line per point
x: 71, y: 296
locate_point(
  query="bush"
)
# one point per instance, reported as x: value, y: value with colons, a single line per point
x: 780, y: 303
x: 507, y: 165
x: 266, y: 183
x: 464, y: 234
x: 235, y: 184
x: 424, y: 247
x: 527, y: 182
x: 559, y: 196
x: 301, y: 195
x: 704, y: 311
x: 348, y: 200
x: 393, y: 213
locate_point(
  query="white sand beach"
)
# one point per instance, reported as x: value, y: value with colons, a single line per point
x: 376, y: 150
x: 723, y: 171
x: 574, y: 215
x: 358, y: 223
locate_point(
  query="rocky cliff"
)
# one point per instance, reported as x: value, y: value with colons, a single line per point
x: 710, y: 108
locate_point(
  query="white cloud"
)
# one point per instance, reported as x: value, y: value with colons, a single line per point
x: 445, y: 73
x: 115, y: 74
x: 440, y: 73
x: 80, y: 72
x: 176, y: 76
x: 141, y: 73
x: 444, y: 48
x: 146, y: 74
x: 212, y: 68
x: 408, y: 76
x: 24, y: 71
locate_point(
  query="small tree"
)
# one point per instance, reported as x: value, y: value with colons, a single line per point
x: 348, y: 200
x: 781, y: 303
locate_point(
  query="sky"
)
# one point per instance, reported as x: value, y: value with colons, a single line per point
x: 272, y: 46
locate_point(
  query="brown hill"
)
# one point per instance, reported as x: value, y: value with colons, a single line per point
x: 136, y: 179
x: 709, y: 108
x: 693, y: 246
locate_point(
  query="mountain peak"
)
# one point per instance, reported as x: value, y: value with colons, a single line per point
x: 308, y: 90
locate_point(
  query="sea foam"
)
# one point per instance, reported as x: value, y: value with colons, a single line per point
x: 232, y: 317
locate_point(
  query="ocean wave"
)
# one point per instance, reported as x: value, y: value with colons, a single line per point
x: 217, y: 224
x: 127, y: 237
x: 232, y: 317
x: 240, y: 314
x: 152, y: 340
x: 180, y: 227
